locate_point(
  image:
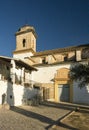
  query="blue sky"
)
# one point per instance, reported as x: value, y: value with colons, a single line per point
x: 58, y: 23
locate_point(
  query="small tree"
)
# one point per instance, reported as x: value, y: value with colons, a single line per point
x: 80, y: 72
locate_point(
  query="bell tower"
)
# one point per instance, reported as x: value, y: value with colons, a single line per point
x: 25, y: 42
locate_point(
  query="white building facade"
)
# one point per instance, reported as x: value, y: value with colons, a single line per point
x: 15, y: 82
x: 47, y: 72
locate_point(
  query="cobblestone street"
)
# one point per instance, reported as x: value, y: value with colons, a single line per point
x: 30, y: 118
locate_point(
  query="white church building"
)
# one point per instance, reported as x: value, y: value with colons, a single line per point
x: 30, y: 73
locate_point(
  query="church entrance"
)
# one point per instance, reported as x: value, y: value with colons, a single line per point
x: 64, y: 92
x: 63, y: 86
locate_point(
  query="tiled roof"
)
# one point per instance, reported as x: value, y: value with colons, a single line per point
x: 60, y: 50
x: 57, y: 63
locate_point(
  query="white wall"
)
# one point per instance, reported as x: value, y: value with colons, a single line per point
x: 22, y: 55
x: 45, y: 74
x: 15, y: 93
x: 3, y: 88
x: 18, y: 91
x: 80, y: 95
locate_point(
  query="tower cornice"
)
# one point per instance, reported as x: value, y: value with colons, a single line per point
x: 26, y: 29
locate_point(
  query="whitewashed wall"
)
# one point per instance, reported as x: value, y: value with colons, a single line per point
x: 22, y: 55
x: 3, y: 89
x: 45, y: 74
x: 80, y: 95
x: 15, y: 93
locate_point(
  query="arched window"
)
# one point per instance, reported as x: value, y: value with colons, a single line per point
x: 24, y: 42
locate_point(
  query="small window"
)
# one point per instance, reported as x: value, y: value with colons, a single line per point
x: 44, y: 60
x: 65, y: 58
x: 10, y: 96
x: 24, y: 42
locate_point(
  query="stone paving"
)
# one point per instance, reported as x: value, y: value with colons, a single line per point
x: 30, y: 118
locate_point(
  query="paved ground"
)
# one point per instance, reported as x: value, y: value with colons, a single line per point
x: 31, y: 118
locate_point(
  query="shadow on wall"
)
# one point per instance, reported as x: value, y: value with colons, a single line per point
x: 79, y: 74
x: 31, y: 96
x: 81, y: 95
x: 42, y: 118
x: 64, y: 92
x: 10, y: 93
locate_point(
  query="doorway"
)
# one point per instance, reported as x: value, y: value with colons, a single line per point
x: 64, y: 92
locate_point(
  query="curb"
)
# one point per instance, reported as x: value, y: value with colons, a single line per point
x: 67, y: 116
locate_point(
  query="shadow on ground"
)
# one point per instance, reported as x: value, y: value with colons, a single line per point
x: 43, y: 118
x: 66, y: 127
x: 61, y: 125
x: 65, y: 106
x: 33, y: 115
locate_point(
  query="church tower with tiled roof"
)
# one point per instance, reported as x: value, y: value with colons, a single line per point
x: 25, y: 42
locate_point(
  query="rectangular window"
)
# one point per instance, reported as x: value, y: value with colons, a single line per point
x: 24, y: 42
